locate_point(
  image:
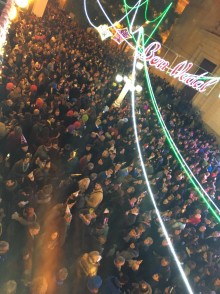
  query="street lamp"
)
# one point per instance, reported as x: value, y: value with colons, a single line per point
x: 119, y: 78
x: 139, y: 65
x: 127, y: 87
x: 139, y: 88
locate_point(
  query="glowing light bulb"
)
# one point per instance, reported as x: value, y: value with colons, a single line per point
x: 138, y: 88
x: 139, y: 65
x: 119, y: 78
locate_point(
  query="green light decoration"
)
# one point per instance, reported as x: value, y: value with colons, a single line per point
x: 171, y: 142
x: 159, y: 22
x: 184, y: 166
x: 160, y: 18
x: 126, y: 6
x: 166, y: 132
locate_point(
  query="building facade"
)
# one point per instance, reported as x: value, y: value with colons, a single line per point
x: 196, y: 37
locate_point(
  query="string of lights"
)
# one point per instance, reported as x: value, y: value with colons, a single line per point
x: 173, y: 146
x: 183, y: 275
x: 166, y: 234
x: 126, y: 6
x: 130, y: 24
x: 177, y: 154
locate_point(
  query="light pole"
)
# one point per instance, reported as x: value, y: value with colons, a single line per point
x: 127, y: 86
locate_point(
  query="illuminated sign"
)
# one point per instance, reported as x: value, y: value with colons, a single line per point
x: 180, y: 71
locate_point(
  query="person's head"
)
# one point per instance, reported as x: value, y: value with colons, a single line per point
x: 10, y: 183
x: 119, y: 261
x: 164, y: 243
x: 94, y: 283
x: 34, y: 229
x: 31, y: 176
x: 105, y: 154
x: 177, y: 231
x: 118, y: 166
x: 27, y: 158
x: 143, y: 287
x: 88, y: 147
x: 148, y: 241
x: 217, y: 282
x: 135, y: 264
x: 130, y: 190
x: 84, y: 184
x: 24, y: 147
x: 18, y: 131
x: 89, y: 156
x: 156, y: 277
x: 202, y: 228
x: 94, y: 257
x: 164, y: 262
x: 47, y: 146
x: 109, y: 172
x: 98, y: 186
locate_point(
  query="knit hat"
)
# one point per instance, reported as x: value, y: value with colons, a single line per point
x: 4, y: 247
x: 10, y: 86
x: 94, y: 283
x: 39, y: 102
x: 85, y: 117
x: 33, y: 88
x: 70, y: 113
x: 77, y: 125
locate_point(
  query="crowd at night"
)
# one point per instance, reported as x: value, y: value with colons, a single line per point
x: 75, y: 214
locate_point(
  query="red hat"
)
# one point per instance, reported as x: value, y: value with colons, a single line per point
x: 10, y: 86
x: 77, y: 125
x: 70, y: 113
x: 33, y: 88
x: 39, y: 102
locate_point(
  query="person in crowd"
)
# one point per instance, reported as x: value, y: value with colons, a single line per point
x: 75, y: 216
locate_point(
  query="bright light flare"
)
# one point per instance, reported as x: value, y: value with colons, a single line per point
x: 166, y: 234
x: 139, y: 65
x: 119, y: 78
x: 139, y: 88
x: 13, y: 13
x: 21, y: 3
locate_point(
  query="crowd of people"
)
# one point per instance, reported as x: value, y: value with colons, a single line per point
x: 75, y: 214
